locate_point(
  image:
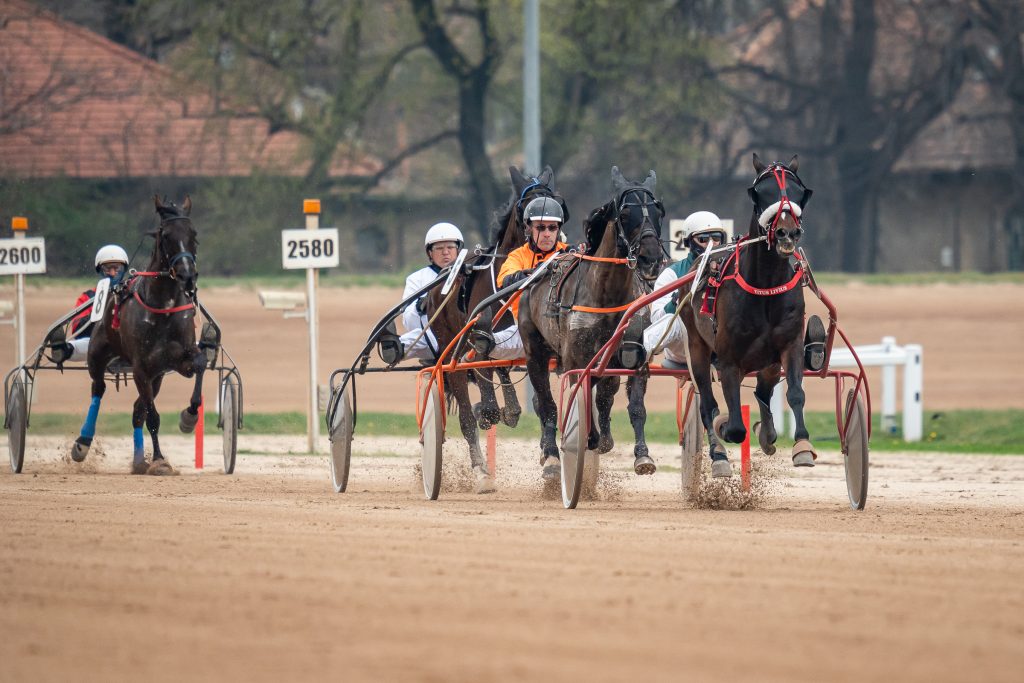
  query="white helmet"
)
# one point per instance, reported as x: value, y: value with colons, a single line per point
x: 111, y: 253
x: 443, y: 232
x: 700, y: 222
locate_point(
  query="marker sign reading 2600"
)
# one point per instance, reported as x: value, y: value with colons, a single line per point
x: 22, y: 256
x: 309, y: 248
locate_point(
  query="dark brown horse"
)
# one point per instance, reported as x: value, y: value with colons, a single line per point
x: 757, y: 323
x: 150, y: 323
x: 507, y: 234
x: 624, y: 257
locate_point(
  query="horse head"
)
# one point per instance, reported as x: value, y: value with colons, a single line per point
x: 779, y: 198
x: 175, y: 249
x: 524, y: 189
x: 638, y: 215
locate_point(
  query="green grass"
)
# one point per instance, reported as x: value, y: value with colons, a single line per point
x: 954, y: 431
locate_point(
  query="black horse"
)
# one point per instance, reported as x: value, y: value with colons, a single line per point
x: 507, y: 234
x: 150, y: 324
x: 572, y: 310
x: 755, y: 323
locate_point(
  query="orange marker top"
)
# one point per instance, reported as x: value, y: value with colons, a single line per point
x: 311, y: 206
x: 19, y: 223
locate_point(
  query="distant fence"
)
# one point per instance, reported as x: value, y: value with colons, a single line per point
x: 888, y: 355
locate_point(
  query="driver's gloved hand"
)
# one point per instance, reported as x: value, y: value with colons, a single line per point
x: 517, y: 277
x: 421, y: 305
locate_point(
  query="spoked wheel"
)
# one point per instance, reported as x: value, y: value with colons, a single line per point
x: 855, y: 451
x: 229, y: 421
x: 692, y: 447
x: 574, y: 450
x: 341, y: 428
x: 17, y: 421
x: 433, y: 442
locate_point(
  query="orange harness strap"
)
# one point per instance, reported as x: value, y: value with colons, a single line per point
x: 591, y: 309
x: 602, y: 259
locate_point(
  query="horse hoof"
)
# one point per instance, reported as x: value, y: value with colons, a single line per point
x: 160, y: 468
x: 552, y: 469
x: 721, y: 469
x: 79, y: 451
x: 718, y: 425
x: 644, y: 465
x: 483, y: 482
x: 767, y: 447
x: 188, y: 421
x: 510, y: 418
x: 605, y: 443
x: 140, y: 467
x: 803, y: 459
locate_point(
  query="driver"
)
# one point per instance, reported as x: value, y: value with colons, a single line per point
x: 111, y: 263
x: 543, y: 217
x: 702, y: 230
x: 442, y: 244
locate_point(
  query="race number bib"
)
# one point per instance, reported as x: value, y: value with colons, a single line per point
x: 99, y: 301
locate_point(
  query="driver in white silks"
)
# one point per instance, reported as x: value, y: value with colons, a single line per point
x: 111, y: 263
x: 442, y: 244
x: 702, y: 230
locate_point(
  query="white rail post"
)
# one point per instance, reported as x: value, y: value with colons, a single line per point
x: 888, y: 389
x: 19, y: 225
x: 311, y: 207
x: 913, y: 386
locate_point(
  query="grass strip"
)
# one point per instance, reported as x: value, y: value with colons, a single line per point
x: 954, y: 431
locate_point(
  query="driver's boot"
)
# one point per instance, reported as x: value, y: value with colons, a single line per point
x: 482, y: 341
x: 814, y: 344
x: 631, y: 350
x: 389, y: 345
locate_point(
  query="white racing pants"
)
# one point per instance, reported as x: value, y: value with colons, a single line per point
x: 413, y: 321
x: 674, y: 343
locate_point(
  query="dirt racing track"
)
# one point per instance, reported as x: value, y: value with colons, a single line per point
x: 269, y: 575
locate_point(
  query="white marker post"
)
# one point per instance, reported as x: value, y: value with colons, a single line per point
x: 21, y: 256
x: 311, y: 249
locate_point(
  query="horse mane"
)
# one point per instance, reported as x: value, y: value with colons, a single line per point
x: 594, y: 226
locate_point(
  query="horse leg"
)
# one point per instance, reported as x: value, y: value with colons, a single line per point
x: 190, y: 415
x: 700, y: 373
x: 803, y: 450
x: 511, y: 411
x: 606, y: 389
x: 733, y: 431
x: 486, y: 412
x: 458, y: 384
x: 140, y: 415
x: 636, y: 388
x: 80, y: 448
x: 153, y: 420
x: 537, y: 368
x: 766, y: 381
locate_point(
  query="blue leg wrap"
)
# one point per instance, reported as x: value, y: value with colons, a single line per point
x: 140, y: 447
x: 89, y: 426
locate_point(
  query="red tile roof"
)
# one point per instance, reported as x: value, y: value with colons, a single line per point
x: 73, y: 103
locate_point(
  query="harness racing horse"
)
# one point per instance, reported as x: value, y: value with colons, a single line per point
x: 150, y: 324
x: 572, y: 310
x: 508, y: 233
x: 757, y: 321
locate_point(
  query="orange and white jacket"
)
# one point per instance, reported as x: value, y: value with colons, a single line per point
x: 520, y: 259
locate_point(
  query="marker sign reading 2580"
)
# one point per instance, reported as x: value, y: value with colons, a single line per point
x: 22, y: 256
x: 309, y: 248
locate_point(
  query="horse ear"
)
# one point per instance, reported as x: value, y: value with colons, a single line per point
x: 547, y: 176
x: 651, y: 182
x: 794, y: 163
x: 518, y: 181
x: 758, y: 164
x: 157, y: 203
x: 186, y: 206
x: 618, y: 181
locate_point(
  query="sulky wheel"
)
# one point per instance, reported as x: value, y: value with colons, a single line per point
x: 692, y: 448
x: 229, y: 422
x: 17, y: 421
x: 574, y: 449
x: 433, y: 441
x: 340, y: 434
x: 855, y: 451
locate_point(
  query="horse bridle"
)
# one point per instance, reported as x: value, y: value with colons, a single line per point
x: 778, y: 171
x: 647, y: 227
x: 181, y: 254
